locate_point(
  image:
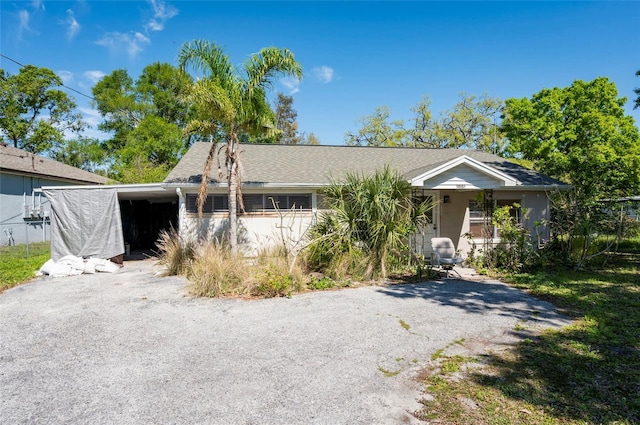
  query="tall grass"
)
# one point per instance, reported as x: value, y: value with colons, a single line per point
x: 215, y: 272
x: 175, y: 252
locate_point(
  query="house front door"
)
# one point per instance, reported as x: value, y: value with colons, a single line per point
x: 420, y: 242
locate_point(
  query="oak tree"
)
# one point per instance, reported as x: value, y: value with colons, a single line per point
x: 34, y: 112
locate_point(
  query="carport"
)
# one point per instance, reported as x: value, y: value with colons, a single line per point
x: 146, y: 210
x: 143, y: 211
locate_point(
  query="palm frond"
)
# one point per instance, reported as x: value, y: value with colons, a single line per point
x: 213, y: 101
x: 259, y: 118
x: 202, y: 127
x: 208, y: 58
x: 263, y: 67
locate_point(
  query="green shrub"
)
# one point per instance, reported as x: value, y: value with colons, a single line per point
x: 514, y: 250
x: 274, y: 282
x: 322, y: 283
x: 367, y: 225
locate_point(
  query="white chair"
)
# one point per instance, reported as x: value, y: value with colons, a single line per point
x: 444, y: 255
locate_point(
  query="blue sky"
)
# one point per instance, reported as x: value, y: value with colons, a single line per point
x: 356, y: 55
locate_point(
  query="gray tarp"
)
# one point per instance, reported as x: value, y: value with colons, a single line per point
x: 85, y: 223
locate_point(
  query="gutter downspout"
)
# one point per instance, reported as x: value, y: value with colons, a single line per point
x: 181, y: 212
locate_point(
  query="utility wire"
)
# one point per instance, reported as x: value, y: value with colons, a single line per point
x: 66, y: 87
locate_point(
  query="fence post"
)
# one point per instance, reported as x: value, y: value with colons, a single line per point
x: 26, y: 227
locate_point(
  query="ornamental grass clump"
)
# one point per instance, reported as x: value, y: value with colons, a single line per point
x: 174, y: 252
x: 216, y: 272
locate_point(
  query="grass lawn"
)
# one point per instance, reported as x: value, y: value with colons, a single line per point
x: 587, y: 373
x: 16, y: 267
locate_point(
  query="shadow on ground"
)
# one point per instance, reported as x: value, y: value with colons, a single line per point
x: 478, y: 298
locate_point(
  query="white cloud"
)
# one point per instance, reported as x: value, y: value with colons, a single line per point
x: 91, y: 116
x: 66, y: 76
x: 23, y: 22
x: 323, y: 73
x: 94, y: 76
x: 292, y: 84
x: 25, y: 16
x: 132, y: 43
x: 162, y: 12
x: 73, y: 27
x: 37, y: 4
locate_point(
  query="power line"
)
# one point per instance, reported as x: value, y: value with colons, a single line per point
x: 63, y: 85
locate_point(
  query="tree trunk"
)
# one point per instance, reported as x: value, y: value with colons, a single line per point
x: 232, y: 180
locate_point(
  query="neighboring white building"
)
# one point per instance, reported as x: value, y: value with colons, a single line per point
x: 23, y: 213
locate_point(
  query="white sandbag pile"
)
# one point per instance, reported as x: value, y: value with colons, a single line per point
x: 71, y: 265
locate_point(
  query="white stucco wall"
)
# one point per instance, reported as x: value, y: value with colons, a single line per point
x: 258, y: 231
x: 254, y: 231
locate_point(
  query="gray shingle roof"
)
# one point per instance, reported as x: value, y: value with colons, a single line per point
x: 17, y: 160
x: 316, y: 165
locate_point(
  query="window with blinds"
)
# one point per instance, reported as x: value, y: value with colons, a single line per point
x: 273, y: 202
x: 213, y: 203
x: 253, y: 203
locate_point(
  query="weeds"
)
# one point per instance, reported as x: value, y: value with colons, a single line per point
x: 214, y: 272
x: 388, y: 373
x: 404, y: 325
x: 325, y: 283
x: 274, y: 283
x: 586, y: 373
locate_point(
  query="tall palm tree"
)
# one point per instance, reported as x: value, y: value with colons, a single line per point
x: 232, y: 103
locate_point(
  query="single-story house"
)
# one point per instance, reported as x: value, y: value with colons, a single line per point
x: 294, y: 175
x: 24, y: 214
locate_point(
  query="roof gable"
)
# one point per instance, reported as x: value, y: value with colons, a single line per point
x: 463, y: 173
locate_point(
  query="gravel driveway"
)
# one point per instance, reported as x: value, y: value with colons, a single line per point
x: 133, y: 348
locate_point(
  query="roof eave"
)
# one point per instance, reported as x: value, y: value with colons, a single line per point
x: 249, y: 185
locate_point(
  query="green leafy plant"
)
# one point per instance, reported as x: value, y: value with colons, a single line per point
x: 368, y: 222
x: 274, y: 283
x: 322, y: 283
x: 514, y: 249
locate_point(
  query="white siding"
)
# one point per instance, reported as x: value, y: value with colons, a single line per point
x: 462, y: 177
